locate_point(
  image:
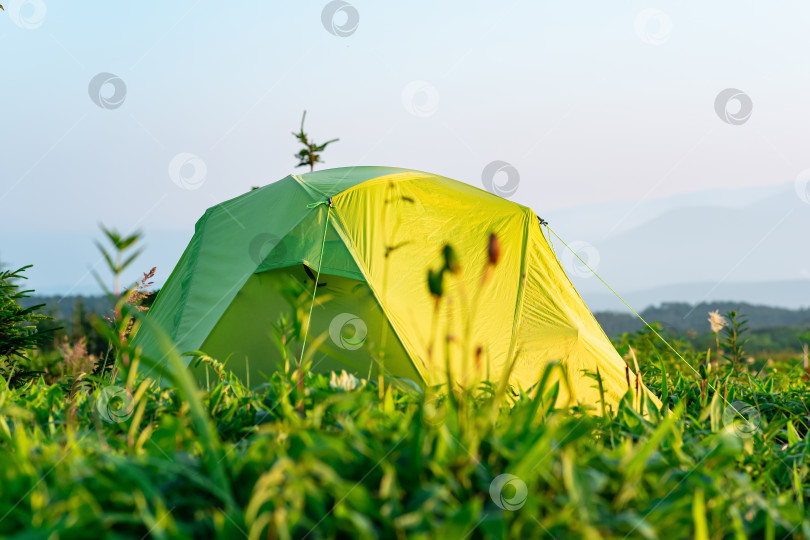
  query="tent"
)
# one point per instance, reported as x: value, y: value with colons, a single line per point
x: 369, y: 236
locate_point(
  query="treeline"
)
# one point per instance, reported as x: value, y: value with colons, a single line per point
x: 73, y: 318
x: 681, y: 317
x: 772, y: 329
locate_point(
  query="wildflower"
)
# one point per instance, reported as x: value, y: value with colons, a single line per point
x: 345, y: 381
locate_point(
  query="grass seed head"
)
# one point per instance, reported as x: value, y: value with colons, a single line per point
x: 717, y: 321
x: 436, y: 282
x: 451, y: 261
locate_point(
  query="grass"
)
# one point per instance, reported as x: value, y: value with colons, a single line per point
x: 181, y: 463
x: 114, y: 454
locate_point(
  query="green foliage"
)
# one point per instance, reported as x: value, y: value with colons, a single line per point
x: 311, y: 153
x: 298, y: 456
x: 18, y: 325
x: 119, y: 256
x: 333, y: 463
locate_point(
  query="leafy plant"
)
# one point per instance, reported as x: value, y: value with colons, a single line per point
x: 120, y: 257
x: 734, y: 339
x: 18, y: 330
x: 311, y: 153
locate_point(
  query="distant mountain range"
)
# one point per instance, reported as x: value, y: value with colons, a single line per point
x: 746, y: 245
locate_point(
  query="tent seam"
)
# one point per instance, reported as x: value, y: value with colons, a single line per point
x: 518, y: 317
x: 309, y: 189
x: 414, y: 175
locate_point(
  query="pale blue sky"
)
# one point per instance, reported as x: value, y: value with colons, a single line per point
x: 585, y: 101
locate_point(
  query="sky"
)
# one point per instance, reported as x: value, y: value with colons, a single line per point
x: 142, y: 115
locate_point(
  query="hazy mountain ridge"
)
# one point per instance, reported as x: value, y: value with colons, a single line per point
x: 793, y: 294
x: 709, y: 253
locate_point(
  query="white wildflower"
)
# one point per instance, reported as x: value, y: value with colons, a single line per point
x: 345, y: 381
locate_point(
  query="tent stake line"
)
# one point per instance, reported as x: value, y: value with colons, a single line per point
x: 543, y: 222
